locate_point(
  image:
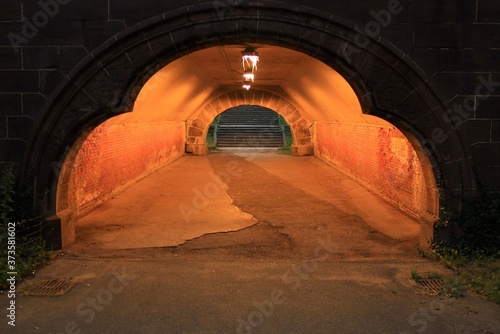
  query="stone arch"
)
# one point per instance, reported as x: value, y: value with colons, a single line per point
x: 107, y: 82
x: 197, y: 126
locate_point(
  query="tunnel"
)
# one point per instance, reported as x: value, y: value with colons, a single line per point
x: 122, y: 166
x: 146, y: 98
x: 177, y: 105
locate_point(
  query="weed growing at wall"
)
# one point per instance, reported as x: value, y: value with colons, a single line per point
x: 473, y: 250
x: 476, y: 231
x: 30, y: 252
x: 211, y: 135
x: 288, y: 137
x: 6, y: 193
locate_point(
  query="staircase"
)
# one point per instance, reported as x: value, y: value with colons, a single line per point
x: 249, y: 126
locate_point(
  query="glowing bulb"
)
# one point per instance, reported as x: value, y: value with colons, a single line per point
x: 250, y: 62
x: 249, y: 77
x: 250, y: 59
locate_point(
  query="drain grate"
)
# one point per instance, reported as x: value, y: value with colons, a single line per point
x: 431, y: 287
x: 50, y: 287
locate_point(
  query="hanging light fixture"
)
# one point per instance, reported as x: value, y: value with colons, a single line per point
x: 250, y: 59
x: 249, y: 76
x: 247, y: 84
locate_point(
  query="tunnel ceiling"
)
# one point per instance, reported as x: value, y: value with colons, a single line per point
x: 224, y: 64
x: 181, y: 88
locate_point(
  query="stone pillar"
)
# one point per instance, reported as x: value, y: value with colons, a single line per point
x: 59, y: 231
x: 197, y: 149
x: 196, y: 141
x: 302, y: 150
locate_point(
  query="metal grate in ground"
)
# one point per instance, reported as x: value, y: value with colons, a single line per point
x: 431, y: 287
x: 50, y: 287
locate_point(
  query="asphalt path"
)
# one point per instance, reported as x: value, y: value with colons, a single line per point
x: 179, y: 295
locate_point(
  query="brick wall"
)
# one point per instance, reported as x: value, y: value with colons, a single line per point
x: 378, y: 156
x: 114, y: 156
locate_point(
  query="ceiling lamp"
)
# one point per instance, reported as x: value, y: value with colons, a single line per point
x: 250, y: 59
x: 247, y: 85
x: 249, y: 76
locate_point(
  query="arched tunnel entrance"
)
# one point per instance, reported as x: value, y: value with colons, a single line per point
x: 177, y: 69
x: 251, y: 127
x: 121, y: 169
x: 172, y: 116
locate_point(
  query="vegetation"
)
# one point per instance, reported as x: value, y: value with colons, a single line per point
x: 287, y: 147
x: 210, y: 135
x: 473, y: 250
x: 210, y: 138
x: 480, y: 274
x: 30, y: 252
x: 415, y: 275
x: 476, y: 231
x: 452, y: 287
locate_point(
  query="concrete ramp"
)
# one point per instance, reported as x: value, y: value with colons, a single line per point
x: 180, y: 202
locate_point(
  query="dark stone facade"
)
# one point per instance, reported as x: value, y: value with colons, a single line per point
x: 432, y: 69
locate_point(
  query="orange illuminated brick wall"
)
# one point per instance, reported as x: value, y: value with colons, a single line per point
x: 114, y: 156
x: 380, y: 157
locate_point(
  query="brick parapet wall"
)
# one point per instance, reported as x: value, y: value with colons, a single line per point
x: 381, y: 158
x: 114, y: 156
